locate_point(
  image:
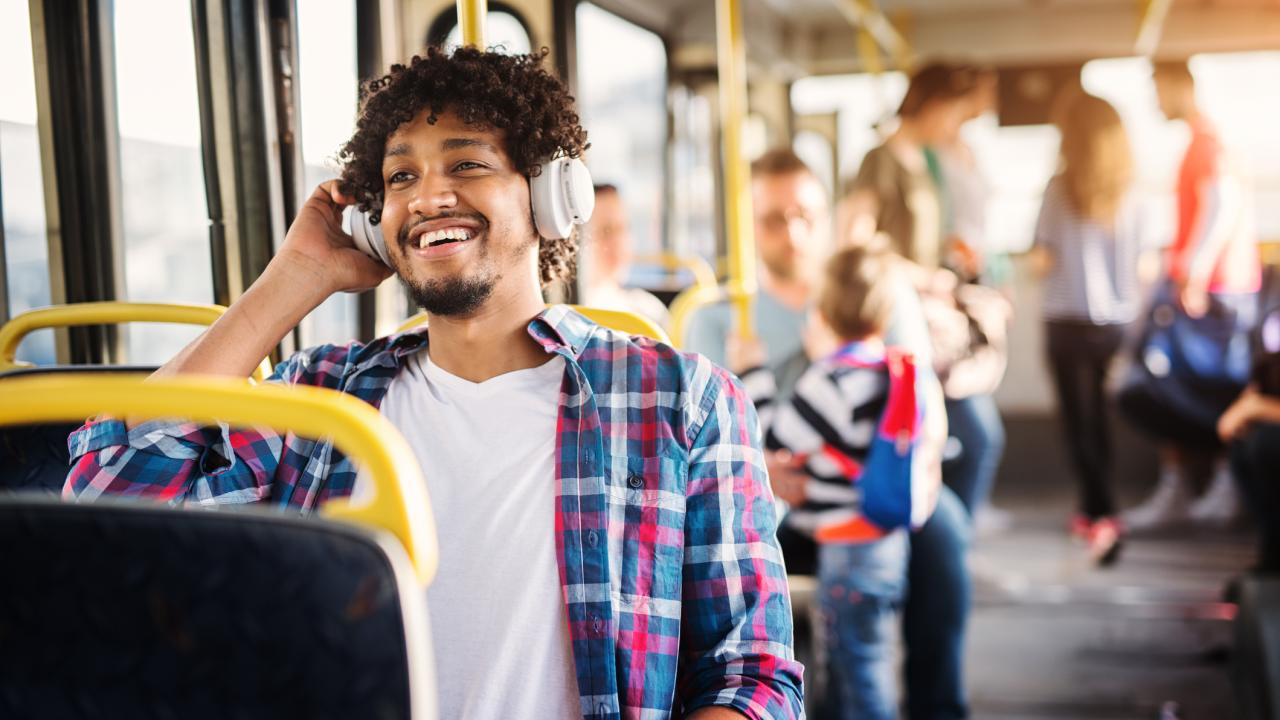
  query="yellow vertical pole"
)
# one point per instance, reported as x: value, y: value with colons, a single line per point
x: 731, y: 56
x: 471, y: 16
x: 868, y: 48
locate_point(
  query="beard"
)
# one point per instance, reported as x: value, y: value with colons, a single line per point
x: 451, y: 297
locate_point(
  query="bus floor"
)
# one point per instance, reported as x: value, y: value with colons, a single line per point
x: 1053, y: 636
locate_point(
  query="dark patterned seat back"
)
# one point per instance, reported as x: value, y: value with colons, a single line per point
x: 122, y: 610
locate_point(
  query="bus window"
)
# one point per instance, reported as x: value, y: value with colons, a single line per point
x: 329, y: 91
x: 693, y: 214
x: 624, y: 110
x: 26, y: 250
x: 1236, y: 92
x: 503, y: 31
x: 1017, y: 161
x: 818, y: 154
x: 165, y: 210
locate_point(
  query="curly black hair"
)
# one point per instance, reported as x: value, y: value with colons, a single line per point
x: 510, y: 93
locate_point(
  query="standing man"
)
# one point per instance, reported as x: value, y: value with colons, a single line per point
x: 793, y: 238
x: 606, y: 527
x: 1214, y: 269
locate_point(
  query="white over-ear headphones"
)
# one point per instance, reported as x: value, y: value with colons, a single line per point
x: 561, y: 196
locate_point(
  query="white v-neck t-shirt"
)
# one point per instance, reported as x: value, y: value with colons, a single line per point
x: 498, y: 620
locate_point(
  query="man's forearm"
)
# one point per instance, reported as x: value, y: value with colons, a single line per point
x: 254, y: 324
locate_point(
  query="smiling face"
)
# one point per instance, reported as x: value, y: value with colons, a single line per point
x: 458, y: 211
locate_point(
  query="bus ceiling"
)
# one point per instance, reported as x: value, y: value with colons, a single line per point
x: 796, y: 38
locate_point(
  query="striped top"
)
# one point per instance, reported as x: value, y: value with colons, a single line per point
x: 1094, y: 276
x: 830, y: 422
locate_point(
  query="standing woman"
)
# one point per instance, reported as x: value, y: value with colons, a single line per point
x: 1087, y: 246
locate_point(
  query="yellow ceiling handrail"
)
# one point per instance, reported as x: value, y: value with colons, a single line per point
x: 399, y: 504
x: 686, y: 304
x: 731, y: 58
x: 471, y: 20
x: 620, y: 320
x: 702, y: 272
x: 104, y: 313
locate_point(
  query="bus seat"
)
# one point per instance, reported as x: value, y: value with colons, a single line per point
x: 34, y: 458
x: 620, y: 320
x: 119, y: 609
x: 1256, y: 653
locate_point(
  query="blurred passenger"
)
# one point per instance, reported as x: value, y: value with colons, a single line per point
x: 1252, y: 427
x: 792, y: 236
x: 832, y: 420
x: 1087, y: 243
x: 966, y: 189
x: 790, y: 206
x: 896, y: 193
x: 608, y: 253
x: 1214, y: 274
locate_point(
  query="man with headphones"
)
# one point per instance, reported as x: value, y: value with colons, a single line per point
x: 607, y: 532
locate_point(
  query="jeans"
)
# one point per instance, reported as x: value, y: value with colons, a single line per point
x: 1079, y: 356
x: 1255, y: 464
x: 860, y: 590
x: 936, y: 614
x: 975, y: 422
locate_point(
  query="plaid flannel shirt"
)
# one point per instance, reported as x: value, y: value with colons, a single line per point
x: 672, y: 579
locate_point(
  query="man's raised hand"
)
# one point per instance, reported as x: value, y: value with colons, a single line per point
x: 317, y: 243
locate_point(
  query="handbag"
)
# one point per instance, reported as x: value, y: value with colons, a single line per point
x: 1195, y: 367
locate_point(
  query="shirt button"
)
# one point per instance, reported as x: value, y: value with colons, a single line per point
x: 596, y: 624
x: 635, y: 481
x: 588, y: 456
x: 593, y: 538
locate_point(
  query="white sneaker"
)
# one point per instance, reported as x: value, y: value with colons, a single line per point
x: 1220, y: 504
x: 1168, y: 505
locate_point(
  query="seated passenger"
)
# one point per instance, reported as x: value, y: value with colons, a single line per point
x: 839, y: 406
x: 792, y: 232
x: 1251, y: 427
x: 608, y: 252
x: 606, y: 530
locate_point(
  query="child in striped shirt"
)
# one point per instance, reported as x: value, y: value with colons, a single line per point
x: 844, y: 404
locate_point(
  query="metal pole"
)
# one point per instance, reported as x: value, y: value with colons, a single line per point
x: 731, y: 58
x: 471, y: 16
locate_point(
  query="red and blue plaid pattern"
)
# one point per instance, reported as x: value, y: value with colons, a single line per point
x: 673, y: 583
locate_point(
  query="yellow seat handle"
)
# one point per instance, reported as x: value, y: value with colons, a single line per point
x: 399, y: 504
x: 105, y: 313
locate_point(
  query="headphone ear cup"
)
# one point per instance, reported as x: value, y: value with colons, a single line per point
x: 367, y: 236
x: 561, y: 196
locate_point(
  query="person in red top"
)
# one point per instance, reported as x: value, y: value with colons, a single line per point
x: 1213, y: 263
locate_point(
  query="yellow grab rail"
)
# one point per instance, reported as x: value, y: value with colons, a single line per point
x: 702, y: 272
x: 104, y: 313
x: 686, y: 304
x: 620, y: 320
x: 399, y: 504
x: 471, y: 20
x: 731, y: 58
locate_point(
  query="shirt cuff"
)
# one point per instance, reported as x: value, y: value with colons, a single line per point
x: 96, y: 435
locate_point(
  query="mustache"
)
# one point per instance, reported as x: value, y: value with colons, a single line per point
x: 403, y: 236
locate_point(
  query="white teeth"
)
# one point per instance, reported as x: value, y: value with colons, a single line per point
x: 446, y: 234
